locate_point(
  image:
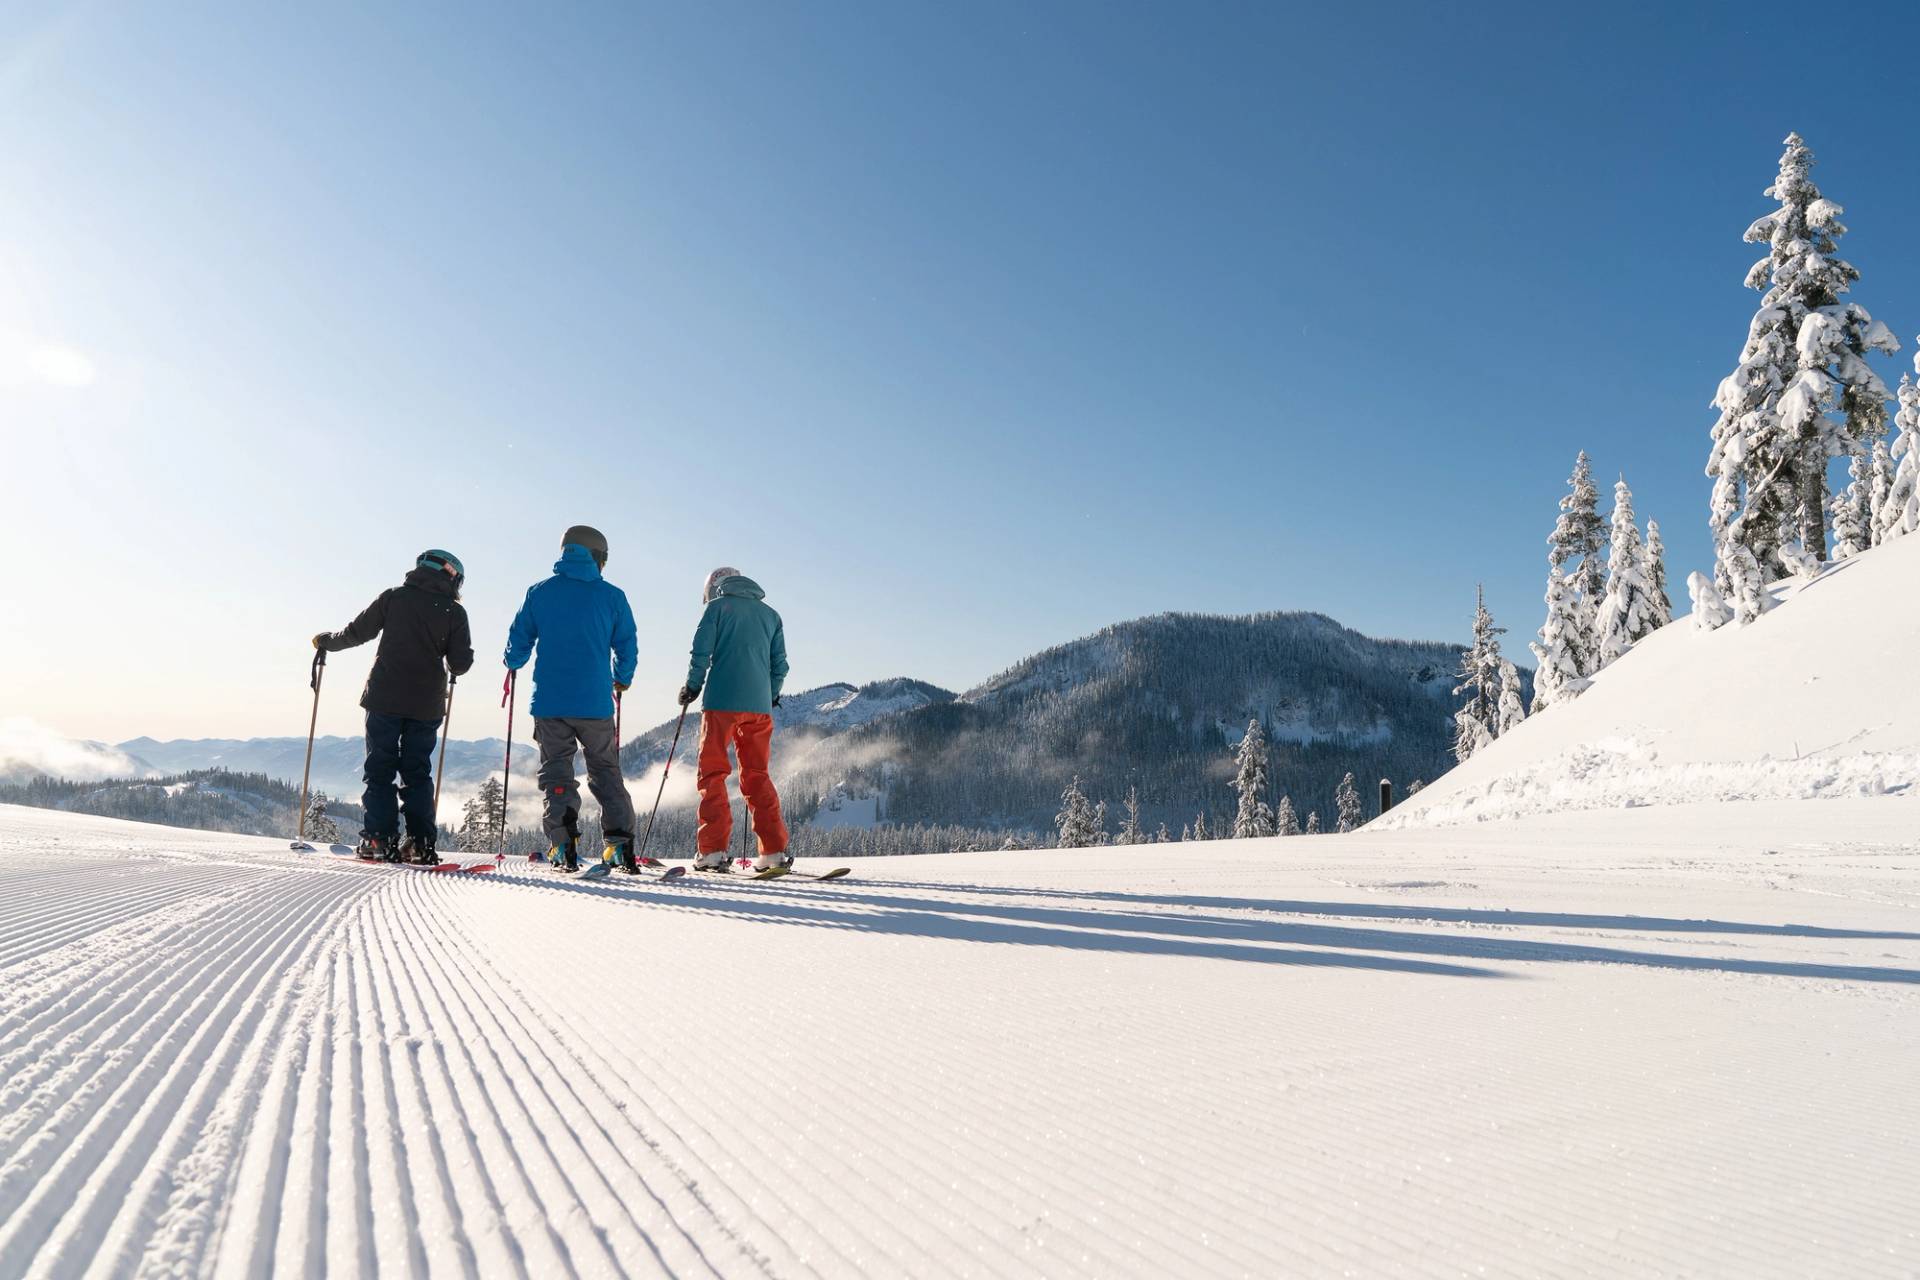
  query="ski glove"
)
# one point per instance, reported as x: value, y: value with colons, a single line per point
x: 687, y: 695
x: 619, y: 688
x: 776, y: 702
x: 320, y: 641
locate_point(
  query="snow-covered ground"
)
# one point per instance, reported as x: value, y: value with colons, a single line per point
x: 1813, y: 701
x: 1643, y: 1042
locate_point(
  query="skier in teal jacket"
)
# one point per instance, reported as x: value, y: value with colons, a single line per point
x: 740, y: 663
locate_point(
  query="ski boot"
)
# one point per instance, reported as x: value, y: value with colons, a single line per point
x: 373, y: 848
x: 619, y: 853
x: 419, y: 851
x: 564, y: 857
x: 711, y: 862
x: 772, y: 862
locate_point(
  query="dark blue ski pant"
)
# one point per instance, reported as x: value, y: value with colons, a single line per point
x: 397, y: 745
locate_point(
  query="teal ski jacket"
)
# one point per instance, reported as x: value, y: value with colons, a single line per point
x: 739, y: 650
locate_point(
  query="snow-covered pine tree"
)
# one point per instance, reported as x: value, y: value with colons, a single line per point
x: 1802, y: 392
x: 319, y: 826
x: 1313, y: 822
x: 1010, y: 845
x: 1253, y: 818
x: 1200, y: 827
x: 1479, y: 718
x: 1346, y: 799
x: 1853, y: 510
x: 1624, y: 614
x: 1898, y: 512
x: 1557, y: 678
x: 1161, y: 836
x: 1415, y: 788
x: 480, y: 818
x: 1100, y: 834
x: 1186, y: 833
x: 1579, y: 535
x: 1286, y: 822
x: 1750, y: 598
x: 1075, y: 821
x: 1710, y: 609
x: 1130, y: 830
x: 1659, y: 604
x: 1513, y: 709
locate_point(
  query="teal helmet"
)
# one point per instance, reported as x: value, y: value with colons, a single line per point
x: 443, y: 562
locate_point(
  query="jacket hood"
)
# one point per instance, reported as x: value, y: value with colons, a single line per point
x: 576, y: 562
x: 739, y: 585
x: 434, y: 580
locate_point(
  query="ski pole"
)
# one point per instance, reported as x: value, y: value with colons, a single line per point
x: 506, y: 767
x: 446, y: 727
x: 640, y: 856
x: 306, y: 772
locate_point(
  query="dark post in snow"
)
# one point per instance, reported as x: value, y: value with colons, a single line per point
x: 1386, y: 794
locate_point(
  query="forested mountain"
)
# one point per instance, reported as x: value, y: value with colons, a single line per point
x: 207, y: 799
x: 1156, y: 703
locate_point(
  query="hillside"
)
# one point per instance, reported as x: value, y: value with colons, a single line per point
x: 1809, y: 702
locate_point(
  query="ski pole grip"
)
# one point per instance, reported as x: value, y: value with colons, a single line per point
x: 319, y: 663
x: 506, y: 688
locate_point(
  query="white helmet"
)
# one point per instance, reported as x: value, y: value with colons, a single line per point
x: 711, y: 591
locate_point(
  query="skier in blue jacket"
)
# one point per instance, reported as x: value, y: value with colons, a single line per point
x: 583, y: 629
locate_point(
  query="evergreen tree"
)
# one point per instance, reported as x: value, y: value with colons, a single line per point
x: 1415, y: 787
x: 1100, y: 835
x: 1186, y: 833
x: 1659, y: 604
x: 1161, y: 836
x: 1478, y: 719
x: 319, y: 826
x: 1253, y: 817
x: 1625, y: 615
x: 1750, y: 598
x: 480, y: 818
x: 1558, y: 677
x: 1200, y: 827
x: 1287, y: 822
x: 1010, y: 845
x: 1898, y: 511
x: 1075, y: 822
x: 1346, y: 799
x: 1853, y: 511
x: 1313, y: 823
x: 1710, y: 609
x: 1130, y: 830
x: 1801, y: 394
x: 1578, y: 536
x: 1512, y: 709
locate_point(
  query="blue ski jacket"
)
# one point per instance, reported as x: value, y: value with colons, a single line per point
x: 584, y: 629
x: 739, y: 650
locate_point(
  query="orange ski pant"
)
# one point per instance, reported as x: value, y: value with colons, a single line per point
x: 750, y: 734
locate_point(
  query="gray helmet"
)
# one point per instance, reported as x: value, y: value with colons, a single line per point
x: 589, y: 537
x: 711, y: 591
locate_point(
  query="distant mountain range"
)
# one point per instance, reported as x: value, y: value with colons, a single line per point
x: 1157, y: 703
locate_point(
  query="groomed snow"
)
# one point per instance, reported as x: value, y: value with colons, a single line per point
x: 1811, y: 701
x: 1632, y: 1043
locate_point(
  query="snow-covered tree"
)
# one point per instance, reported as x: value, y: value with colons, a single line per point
x: 1898, y: 511
x: 1626, y: 613
x: 1186, y: 833
x: 1076, y: 820
x: 1512, y: 708
x: 1574, y: 549
x: 1659, y: 604
x: 1011, y: 844
x: 1710, y: 609
x: 480, y: 818
x: 1415, y: 787
x: 1853, y: 511
x: 1286, y: 822
x: 1802, y: 392
x: 1161, y: 836
x: 1130, y: 830
x: 319, y: 825
x: 1200, y: 827
x: 1100, y: 835
x: 1558, y: 677
x: 1750, y: 598
x: 1313, y: 822
x: 1479, y: 718
x: 1253, y: 817
x: 1346, y: 799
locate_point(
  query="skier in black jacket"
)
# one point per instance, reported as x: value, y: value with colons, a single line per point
x: 423, y: 636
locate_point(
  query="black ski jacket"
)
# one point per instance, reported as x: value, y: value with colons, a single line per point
x: 423, y: 635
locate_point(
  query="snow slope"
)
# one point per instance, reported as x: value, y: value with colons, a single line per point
x: 1811, y: 701
x: 1633, y: 1043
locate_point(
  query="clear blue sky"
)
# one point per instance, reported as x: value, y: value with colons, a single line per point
x: 966, y: 329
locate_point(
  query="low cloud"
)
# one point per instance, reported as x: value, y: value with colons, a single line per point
x: 29, y: 749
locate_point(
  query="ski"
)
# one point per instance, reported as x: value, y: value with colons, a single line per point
x: 478, y: 868
x: 301, y: 846
x: 834, y: 874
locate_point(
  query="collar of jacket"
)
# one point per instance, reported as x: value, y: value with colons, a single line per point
x: 434, y: 580
x: 740, y: 585
x: 576, y: 562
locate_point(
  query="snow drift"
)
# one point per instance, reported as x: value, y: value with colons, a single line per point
x: 1808, y: 702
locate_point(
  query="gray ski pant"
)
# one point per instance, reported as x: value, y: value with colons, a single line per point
x: 560, y: 789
